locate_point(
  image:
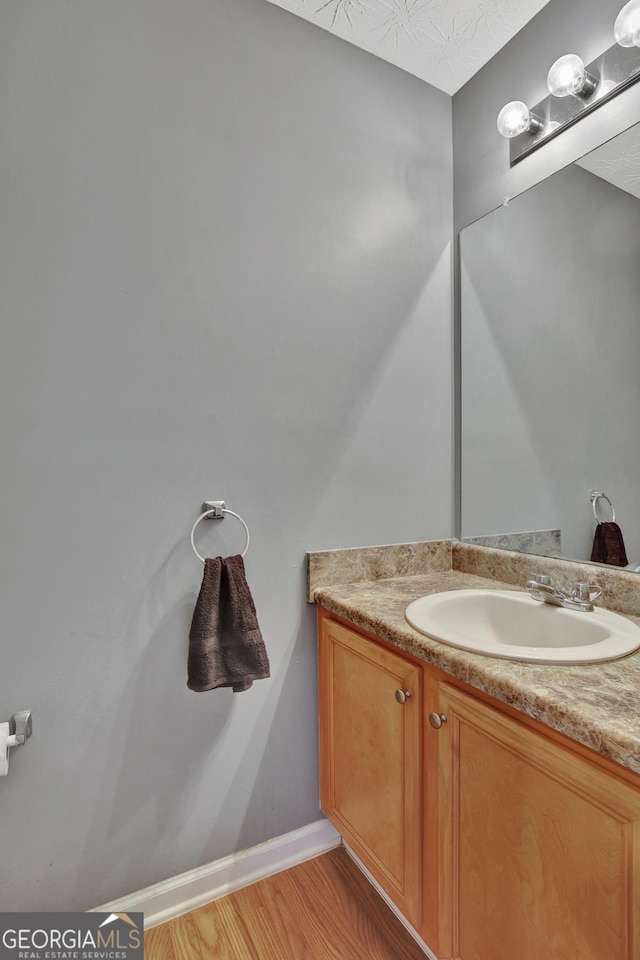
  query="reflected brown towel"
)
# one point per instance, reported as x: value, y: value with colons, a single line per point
x: 608, y: 545
x: 226, y: 648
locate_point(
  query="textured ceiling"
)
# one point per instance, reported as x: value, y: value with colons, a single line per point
x: 618, y: 161
x: 441, y: 41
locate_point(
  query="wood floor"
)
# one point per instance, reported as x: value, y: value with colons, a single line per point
x: 324, y: 909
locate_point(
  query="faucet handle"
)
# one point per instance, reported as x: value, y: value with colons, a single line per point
x: 543, y: 578
x: 581, y: 592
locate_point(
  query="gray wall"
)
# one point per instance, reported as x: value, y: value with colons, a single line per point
x: 224, y: 273
x: 482, y: 177
x: 550, y: 341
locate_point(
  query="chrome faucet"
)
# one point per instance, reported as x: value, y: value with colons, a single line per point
x: 581, y: 599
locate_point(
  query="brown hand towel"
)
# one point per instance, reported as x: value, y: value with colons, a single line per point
x: 608, y: 545
x: 226, y: 648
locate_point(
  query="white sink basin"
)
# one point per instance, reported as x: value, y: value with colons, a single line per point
x: 512, y: 625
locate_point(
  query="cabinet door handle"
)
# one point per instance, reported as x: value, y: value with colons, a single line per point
x: 402, y: 695
x: 437, y: 719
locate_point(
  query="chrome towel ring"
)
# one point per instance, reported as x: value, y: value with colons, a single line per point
x: 594, y: 496
x: 216, y: 510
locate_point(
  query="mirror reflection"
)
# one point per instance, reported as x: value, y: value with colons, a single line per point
x: 550, y: 357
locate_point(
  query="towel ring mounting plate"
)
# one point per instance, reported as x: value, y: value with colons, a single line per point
x: 217, y: 511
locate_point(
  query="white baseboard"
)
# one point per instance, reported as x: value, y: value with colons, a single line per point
x: 403, y: 920
x: 171, y: 898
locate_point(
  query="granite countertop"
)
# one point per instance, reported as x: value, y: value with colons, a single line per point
x: 596, y: 704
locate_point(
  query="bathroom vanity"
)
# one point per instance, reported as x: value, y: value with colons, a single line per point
x: 496, y: 835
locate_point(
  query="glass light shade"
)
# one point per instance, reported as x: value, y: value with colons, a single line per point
x: 568, y: 77
x: 627, y: 26
x: 515, y: 118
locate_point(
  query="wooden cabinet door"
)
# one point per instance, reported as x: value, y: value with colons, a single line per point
x: 539, y: 848
x: 371, y: 759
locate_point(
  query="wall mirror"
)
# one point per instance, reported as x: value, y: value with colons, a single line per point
x: 550, y: 360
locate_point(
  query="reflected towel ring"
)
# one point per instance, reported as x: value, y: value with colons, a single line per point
x: 218, y: 513
x: 594, y: 500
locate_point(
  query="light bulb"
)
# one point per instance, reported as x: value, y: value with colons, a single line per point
x: 568, y: 77
x: 627, y: 26
x: 516, y: 118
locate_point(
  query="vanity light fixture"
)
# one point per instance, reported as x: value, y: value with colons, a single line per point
x: 568, y: 77
x: 575, y: 89
x: 627, y: 26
